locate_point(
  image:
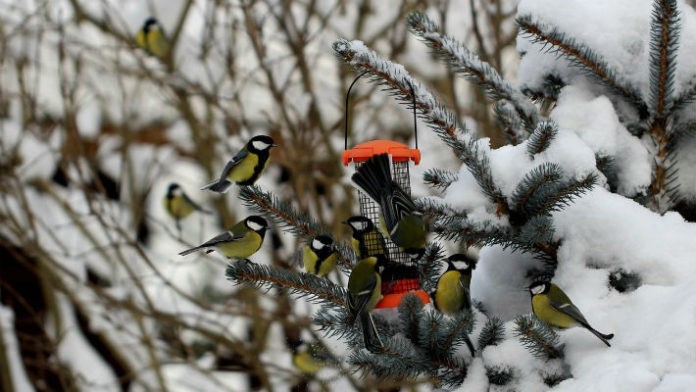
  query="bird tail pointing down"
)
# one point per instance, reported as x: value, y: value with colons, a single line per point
x: 219, y: 186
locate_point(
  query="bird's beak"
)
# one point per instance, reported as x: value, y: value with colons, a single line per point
x: 345, y: 222
x: 274, y: 145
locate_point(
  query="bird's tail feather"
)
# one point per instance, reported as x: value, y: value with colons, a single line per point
x: 189, y: 251
x: 219, y: 186
x: 374, y: 177
x: 604, y: 338
x: 373, y: 343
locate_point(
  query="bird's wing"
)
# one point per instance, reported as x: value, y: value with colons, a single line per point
x: 233, y: 162
x: 565, y: 306
x: 397, y: 205
x: 220, y: 238
x: 356, y: 303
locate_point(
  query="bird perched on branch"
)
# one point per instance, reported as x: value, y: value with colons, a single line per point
x: 551, y: 305
x: 239, y: 242
x: 364, y: 292
x: 402, y: 221
x: 151, y: 38
x: 246, y: 167
x: 452, y: 292
x: 179, y: 205
x: 319, y: 256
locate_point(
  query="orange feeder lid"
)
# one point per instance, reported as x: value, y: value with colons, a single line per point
x: 397, y: 290
x: 399, y: 152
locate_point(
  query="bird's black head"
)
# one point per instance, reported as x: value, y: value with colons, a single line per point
x: 460, y: 262
x: 260, y: 143
x: 149, y: 24
x: 359, y: 224
x: 539, y: 287
x: 257, y: 224
x: 322, y: 244
x: 174, y: 190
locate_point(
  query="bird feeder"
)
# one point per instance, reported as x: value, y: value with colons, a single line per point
x: 400, y: 276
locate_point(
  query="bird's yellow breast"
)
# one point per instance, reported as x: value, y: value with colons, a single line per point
x: 178, y: 207
x: 309, y: 259
x: 545, y: 312
x: 246, y: 168
x: 450, y: 293
x: 243, y: 247
x: 305, y: 363
x: 327, y: 265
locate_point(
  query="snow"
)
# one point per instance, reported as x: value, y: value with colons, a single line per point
x: 19, y: 377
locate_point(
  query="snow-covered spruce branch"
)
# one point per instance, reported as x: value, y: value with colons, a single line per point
x: 565, y: 193
x: 537, y: 337
x: 312, y: 287
x: 583, y: 57
x: 492, y: 333
x: 542, y: 137
x: 529, y: 194
x: 664, y: 43
x: 469, y: 65
x: 298, y: 223
x: 395, y: 78
x: 439, y: 178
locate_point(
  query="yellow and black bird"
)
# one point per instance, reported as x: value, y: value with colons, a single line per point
x: 319, y: 256
x: 246, y: 167
x: 151, y: 38
x: 452, y: 293
x: 403, y: 222
x: 306, y: 359
x: 551, y: 305
x: 366, y: 239
x: 239, y: 242
x: 179, y: 205
x: 364, y: 292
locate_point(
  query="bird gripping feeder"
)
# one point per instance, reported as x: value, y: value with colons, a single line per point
x: 400, y: 276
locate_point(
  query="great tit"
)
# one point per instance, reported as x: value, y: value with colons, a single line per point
x: 551, y: 305
x: 151, y: 38
x: 319, y: 256
x: 306, y: 359
x: 452, y: 293
x: 179, y: 205
x: 364, y: 291
x: 239, y: 242
x: 404, y: 224
x: 246, y: 167
x: 366, y: 239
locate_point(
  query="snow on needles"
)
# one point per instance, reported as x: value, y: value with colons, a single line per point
x: 600, y: 232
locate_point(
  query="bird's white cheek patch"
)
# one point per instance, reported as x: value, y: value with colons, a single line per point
x: 537, y: 289
x: 316, y: 244
x: 254, y: 226
x: 259, y: 145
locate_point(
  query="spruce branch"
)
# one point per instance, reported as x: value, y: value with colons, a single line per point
x: 542, y: 137
x: 530, y: 192
x: 583, y: 57
x: 509, y: 122
x: 395, y: 78
x: 399, y: 358
x: 312, y: 287
x: 469, y: 65
x: 493, y: 332
x: 335, y: 322
x: 685, y: 98
x: 410, y: 311
x: 439, y: 178
x: 500, y: 374
x: 537, y: 337
x: 429, y: 266
x: 282, y: 213
x: 565, y: 194
x: 664, y: 43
